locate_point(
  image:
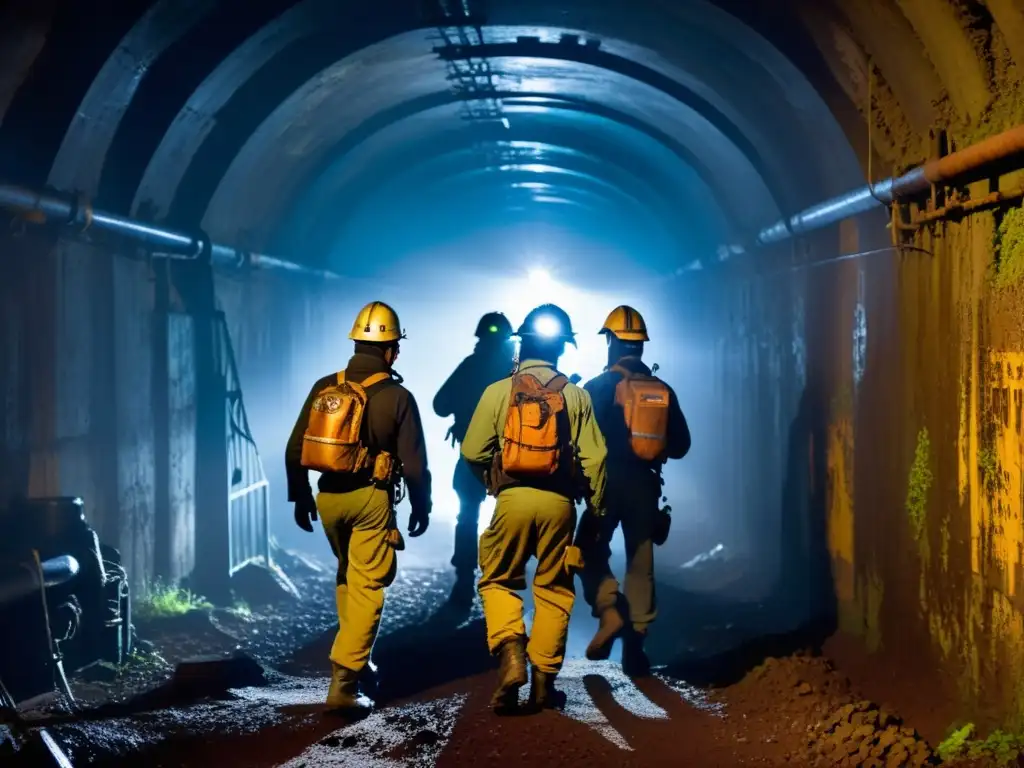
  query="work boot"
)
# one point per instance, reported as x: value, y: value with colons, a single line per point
x: 634, y: 659
x: 611, y: 625
x: 543, y: 694
x: 344, y: 690
x: 511, y: 674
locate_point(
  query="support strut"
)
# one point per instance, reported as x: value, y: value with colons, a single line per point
x: 41, y: 208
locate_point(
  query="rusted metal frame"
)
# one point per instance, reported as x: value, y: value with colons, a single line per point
x: 77, y: 214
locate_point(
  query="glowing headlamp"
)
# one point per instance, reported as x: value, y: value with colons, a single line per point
x: 547, y: 326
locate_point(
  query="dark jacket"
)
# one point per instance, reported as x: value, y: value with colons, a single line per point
x: 459, y: 395
x: 613, y: 423
x: 391, y: 423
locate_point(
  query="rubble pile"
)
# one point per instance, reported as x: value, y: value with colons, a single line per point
x: 862, y: 734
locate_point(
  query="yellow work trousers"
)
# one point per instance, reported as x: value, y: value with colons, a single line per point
x: 528, y: 523
x: 357, y: 525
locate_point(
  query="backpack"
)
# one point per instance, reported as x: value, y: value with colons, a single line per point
x: 333, y: 439
x: 534, y: 429
x: 644, y: 401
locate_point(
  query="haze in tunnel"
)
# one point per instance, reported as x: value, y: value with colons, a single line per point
x: 435, y: 167
x: 595, y: 161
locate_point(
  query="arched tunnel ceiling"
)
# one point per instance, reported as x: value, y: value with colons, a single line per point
x: 224, y: 114
x: 649, y: 166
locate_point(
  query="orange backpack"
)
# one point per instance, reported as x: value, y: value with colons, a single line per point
x: 533, y: 437
x: 644, y: 401
x: 333, y: 439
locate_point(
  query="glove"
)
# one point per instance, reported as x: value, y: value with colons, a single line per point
x: 305, y: 514
x: 450, y: 436
x: 419, y: 520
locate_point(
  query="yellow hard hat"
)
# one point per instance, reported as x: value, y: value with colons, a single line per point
x: 626, y: 324
x: 376, y: 322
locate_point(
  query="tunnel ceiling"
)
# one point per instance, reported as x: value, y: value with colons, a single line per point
x: 270, y: 124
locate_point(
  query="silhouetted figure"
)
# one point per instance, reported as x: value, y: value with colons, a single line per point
x: 492, y: 360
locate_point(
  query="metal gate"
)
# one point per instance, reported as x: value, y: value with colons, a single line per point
x: 248, y: 490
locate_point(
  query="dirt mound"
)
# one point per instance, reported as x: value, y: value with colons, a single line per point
x: 863, y: 734
x: 804, y: 697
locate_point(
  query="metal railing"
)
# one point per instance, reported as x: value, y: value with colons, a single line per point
x: 248, y: 489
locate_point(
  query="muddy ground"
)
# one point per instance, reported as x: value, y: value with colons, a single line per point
x: 734, y: 707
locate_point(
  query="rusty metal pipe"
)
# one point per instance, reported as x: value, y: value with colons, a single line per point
x: 160, y: 241
x: 967, y: 165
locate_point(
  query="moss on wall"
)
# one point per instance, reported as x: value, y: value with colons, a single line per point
x: 919, y: 485
x: 1009, y: 248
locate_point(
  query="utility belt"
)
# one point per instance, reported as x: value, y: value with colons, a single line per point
x: 564, y: 482
x: 382, y: 471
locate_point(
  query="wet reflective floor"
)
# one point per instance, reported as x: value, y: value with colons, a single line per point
x: 435, y: 680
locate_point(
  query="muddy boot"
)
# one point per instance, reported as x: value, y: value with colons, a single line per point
x: 511, y: 674
x: 344, y: 690
x: 634, y: 659
x: 543, y: 694
x: 611, y: 625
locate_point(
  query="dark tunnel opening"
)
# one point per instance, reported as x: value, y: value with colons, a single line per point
x: 202, y: 195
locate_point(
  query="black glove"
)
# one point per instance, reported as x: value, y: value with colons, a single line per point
x: 419, y: 520
x: 305, y: 514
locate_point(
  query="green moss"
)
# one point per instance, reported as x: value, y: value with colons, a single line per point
x: 991, y: 472
x: 919, y: 485
x: 162, y: 601
x: 1009, y: 248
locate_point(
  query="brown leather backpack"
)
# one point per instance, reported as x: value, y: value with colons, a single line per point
x: 333, y: 439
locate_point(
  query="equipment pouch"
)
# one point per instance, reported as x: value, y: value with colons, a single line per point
x: 395, y: 539
x: 573, y: 560
x: 383, y: 468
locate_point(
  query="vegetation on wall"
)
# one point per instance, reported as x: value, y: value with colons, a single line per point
x: 919, y: 485
x: 1009, y: 249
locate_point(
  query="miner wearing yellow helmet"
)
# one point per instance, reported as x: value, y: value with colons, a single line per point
x: 643, y: 427
x: 361, y: 429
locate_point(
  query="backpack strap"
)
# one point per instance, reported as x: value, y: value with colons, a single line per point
x: 341, y: 377
x: 376, y: 378
x: 557, y: 382
x: 626, y: 374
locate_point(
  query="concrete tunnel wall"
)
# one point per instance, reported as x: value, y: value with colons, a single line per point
x: 911, y: 431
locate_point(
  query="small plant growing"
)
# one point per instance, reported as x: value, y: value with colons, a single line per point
x: 241, y: 609
x: 956, y: 744
x: 163, y: 601
x: 920, y: 484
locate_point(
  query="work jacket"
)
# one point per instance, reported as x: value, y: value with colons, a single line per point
x: 391, y: 423
x: 613, y: 424
x: 485, y: 436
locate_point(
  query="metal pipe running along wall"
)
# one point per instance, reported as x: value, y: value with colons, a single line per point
x: 965, y: 166
x: 161, y: 242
